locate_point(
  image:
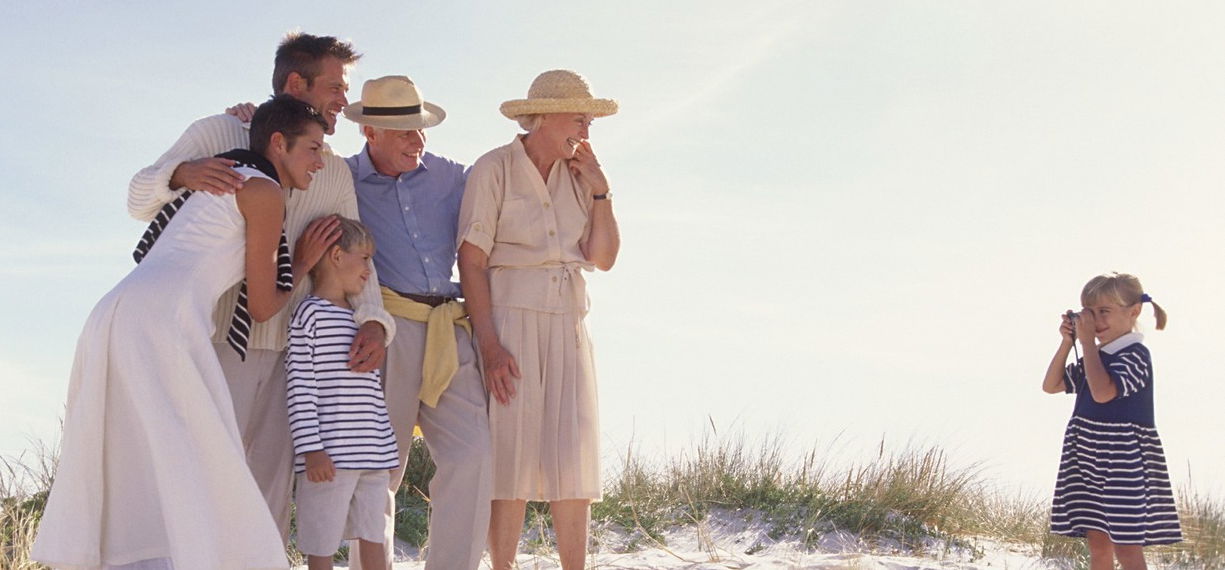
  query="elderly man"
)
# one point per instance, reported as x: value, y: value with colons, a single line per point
x: 315, y: 70
x: 410, y: 200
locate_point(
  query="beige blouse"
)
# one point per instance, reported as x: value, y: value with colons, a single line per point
x: 530, y: 230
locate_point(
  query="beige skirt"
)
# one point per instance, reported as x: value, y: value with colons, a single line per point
x: 546, y: 441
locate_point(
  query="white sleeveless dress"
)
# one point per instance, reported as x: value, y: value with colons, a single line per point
x: 152, y: 471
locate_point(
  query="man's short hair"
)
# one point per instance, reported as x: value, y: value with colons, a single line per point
x: 303, y: 53
x: 282, y: 114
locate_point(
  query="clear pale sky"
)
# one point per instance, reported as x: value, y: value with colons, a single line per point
x: 842, y: 221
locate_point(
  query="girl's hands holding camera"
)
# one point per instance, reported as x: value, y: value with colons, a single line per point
x: 1079, y: 326
x: 1067, y: 328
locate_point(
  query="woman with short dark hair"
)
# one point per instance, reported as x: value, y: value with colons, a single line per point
x: 152, y: 472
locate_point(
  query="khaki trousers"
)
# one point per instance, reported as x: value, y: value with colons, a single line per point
x: 457, y: 435
x: 258, y: 390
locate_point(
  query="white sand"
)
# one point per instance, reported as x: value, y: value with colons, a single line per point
x: 729, y: 540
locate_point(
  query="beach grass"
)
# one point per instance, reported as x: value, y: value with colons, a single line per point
x: 413, y: 499
x: 24, y: 481
x: 912, y: 495
x: 907, y: 496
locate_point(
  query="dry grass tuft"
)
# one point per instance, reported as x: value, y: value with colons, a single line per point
x: 24, y: 481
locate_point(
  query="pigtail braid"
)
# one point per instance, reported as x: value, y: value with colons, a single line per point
x: 1159, y: 313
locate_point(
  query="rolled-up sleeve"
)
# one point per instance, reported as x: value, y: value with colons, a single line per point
x: 478, y: 213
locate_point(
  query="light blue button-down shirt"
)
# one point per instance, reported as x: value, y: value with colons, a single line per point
x: 414, y: 219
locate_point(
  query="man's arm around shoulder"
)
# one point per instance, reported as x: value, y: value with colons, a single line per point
x: 159, y: 183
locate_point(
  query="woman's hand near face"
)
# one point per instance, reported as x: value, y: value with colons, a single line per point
x: 603, y: 241
x: 586, y: 169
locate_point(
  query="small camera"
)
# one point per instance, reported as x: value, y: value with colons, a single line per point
x: 1072, y: 316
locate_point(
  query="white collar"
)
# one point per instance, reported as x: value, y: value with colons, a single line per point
x: 1122, y: 342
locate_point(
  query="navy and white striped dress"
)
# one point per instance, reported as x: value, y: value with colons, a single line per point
x: 332, y: 408
x: 1112, y: 475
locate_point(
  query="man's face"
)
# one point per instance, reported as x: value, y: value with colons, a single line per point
x: 395, y: 152
x: 327, y: 93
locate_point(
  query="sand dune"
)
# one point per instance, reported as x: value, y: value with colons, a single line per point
x: 726, y: 541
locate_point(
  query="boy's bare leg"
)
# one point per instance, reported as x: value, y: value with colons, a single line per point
x: 372, y: 555
x: 318, y: 562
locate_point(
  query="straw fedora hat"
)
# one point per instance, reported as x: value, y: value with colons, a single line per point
x: 559, y: 91
x: 394, y: 102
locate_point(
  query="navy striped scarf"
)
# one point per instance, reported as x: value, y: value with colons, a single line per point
x: 240, y: 326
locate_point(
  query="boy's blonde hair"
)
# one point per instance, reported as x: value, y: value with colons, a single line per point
x: 1122, y: 289
x: 352, y: 236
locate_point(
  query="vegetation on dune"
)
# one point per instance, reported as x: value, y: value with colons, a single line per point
x: 24, y: 481
x: 913, y: 496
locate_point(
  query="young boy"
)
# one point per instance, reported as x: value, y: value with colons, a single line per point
x: 342, y: 436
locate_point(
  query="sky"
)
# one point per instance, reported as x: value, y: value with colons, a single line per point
x: 843, y: 222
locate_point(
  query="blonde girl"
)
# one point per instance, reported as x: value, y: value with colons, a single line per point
x: 1113, y: 487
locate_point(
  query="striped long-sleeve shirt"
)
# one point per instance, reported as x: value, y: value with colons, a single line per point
x: 332, y: 408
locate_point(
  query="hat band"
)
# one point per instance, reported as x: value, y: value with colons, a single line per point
x: 388, y: 111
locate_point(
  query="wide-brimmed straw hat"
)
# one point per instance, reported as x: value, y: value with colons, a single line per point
x: 394, y: 102
x: 559, y: 91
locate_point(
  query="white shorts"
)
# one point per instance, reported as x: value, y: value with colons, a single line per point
x: 351, y: 505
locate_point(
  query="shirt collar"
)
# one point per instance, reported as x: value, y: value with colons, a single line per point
x: 519, y: 149
x: 520, y: 152
x: 365, y: 166
x: 1122, y: 342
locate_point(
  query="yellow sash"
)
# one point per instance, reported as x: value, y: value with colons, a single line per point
x: 441, y: 359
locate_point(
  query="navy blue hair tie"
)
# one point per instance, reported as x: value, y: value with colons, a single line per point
x: 1144, y: 298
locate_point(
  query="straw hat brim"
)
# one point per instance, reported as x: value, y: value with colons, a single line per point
x: 595, y: 107
x: 431, y: 115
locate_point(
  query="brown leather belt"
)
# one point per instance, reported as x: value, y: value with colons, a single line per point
x: 431, y: 300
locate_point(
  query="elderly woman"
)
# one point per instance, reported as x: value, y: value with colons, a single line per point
x: 535, y: 212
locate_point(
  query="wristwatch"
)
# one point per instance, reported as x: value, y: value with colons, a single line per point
x: 603, y: 196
